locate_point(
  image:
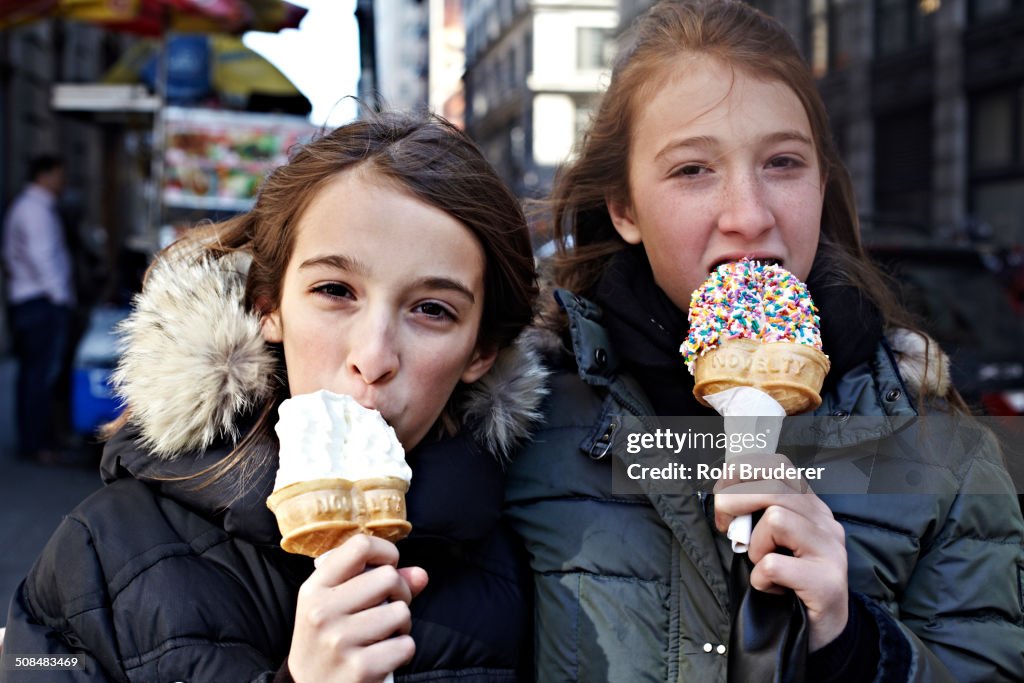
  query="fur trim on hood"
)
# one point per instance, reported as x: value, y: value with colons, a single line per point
x: 193, y: 360
x: 923, y: 365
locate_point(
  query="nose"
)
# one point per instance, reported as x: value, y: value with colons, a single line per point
x: 373, y: 353
x: 745, y: 209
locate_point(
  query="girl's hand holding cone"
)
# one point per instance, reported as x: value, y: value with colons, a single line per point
x: 352, y: 618
x: 796, y: 519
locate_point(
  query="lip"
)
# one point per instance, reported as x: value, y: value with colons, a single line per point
x: 386, y: 410
x: 753, y: 256
x: 366, y: 402
x: 369, y: 405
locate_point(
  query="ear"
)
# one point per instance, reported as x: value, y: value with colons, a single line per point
x: 480, y: 362
x: 270, y: 326
x: 621, y: 213
x: 270, y: 322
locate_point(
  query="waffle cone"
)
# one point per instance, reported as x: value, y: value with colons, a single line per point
x: 790, y: 373
x: 383, y: 507
x: 319, y: 514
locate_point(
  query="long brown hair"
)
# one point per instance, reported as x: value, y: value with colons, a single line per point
x: 750, y: 41
x: 427, y: 157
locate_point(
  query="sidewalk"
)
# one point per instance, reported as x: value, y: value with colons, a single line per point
x: 33, y: 498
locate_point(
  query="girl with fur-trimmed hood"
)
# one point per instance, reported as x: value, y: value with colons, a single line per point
x: 385, y: 261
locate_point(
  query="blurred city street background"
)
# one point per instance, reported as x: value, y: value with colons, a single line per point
x: 170, y: 112
x: 34, y: 498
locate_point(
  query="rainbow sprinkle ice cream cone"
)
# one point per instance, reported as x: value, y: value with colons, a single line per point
x: 755, y: 325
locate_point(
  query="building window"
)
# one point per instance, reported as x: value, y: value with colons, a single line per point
x: 997, y: 162
x: 992, y: 132
x: 594, y: 47
x: 818, y: 36
x: 903, y: 24
x: 506, y: 69
x: 903, y: 167
x: 982, y: 10
x: 830, y: 33
x: 528, y: 48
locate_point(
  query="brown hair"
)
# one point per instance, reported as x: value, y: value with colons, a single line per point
x: 435, y: 162
x: 747, y: 40
x: 422, y: 154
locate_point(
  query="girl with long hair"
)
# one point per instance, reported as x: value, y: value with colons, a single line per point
x: 711, y: 144
x: 385, y: 261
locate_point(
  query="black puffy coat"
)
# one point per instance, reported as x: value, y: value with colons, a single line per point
x: 154, y: 578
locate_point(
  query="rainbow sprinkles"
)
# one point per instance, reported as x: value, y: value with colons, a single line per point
x: 750, y: 300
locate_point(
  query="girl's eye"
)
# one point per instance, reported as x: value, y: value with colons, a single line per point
x: 432, y: 309
x: 784, y: 162
x: 333, y: 290
x: 691, y: 170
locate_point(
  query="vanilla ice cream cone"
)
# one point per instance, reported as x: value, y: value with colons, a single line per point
x: 319, y: 514
x: 341, y: 472
x: 314, y: 516
x: 790, y: 373
x: 383, y: 507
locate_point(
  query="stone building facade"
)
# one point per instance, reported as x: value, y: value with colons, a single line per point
x: 533, y: 69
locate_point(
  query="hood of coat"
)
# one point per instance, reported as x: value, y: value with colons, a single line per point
x: 193, y: 364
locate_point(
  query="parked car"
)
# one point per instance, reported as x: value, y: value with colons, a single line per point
x: 963, y: 297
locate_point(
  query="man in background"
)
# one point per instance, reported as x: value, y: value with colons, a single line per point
x: 40, y: 294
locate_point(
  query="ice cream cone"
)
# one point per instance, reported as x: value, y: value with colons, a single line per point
x: 790, y: 373
x: 383, y: 507
x: 319, y: 514
x: 341, y: 471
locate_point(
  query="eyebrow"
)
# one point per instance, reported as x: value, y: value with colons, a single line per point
x: 711, y: 141
x: 445, y: 283
x: 339, y: 261
x: 351, y: 265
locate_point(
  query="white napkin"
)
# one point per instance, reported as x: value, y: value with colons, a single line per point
x: 747, y: 411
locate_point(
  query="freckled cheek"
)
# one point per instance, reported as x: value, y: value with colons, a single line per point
x: 686, y: 217
x: 680, y: 238
x: 803, y: 200
x: 423, y: 398
x: 313, y: 346
x: 436, y: 371
x: 437, y: 364
x: 801, y: 230
x: 430, y: 391
x: 804, y: 216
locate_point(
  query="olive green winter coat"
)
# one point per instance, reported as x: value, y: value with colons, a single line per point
x: 634, y: 587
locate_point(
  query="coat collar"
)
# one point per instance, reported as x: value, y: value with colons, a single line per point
x: 906, y: 366
x: 193, y: 362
